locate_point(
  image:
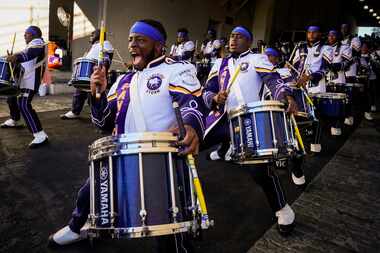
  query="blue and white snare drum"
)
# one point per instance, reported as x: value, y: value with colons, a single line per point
x: 139, y: 187
x: 82, y: 71
x: 260, y: 132
x: 9, y: 87
x: 331, y: 105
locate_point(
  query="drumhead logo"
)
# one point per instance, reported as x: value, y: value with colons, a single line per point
x: 244, y: 66
x: 154, y: 84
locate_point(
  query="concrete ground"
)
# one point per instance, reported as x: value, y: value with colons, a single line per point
x: 38, y: 189
x: 339, y: 211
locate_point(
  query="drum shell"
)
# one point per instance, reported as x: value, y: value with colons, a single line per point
x: 253, y: 131
x: 123, y: 165
x: 82, y: 71
x: 8, y: 87
x: 331, y: 106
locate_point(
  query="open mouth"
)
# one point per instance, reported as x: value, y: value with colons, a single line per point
x: 136, y: 58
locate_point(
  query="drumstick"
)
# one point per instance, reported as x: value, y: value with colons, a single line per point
x: 297, y: 132
x: 308, y: 99
x: 234, y: 76
x: 10, y: 64
x: 191, y: 163
x: 101, y: 53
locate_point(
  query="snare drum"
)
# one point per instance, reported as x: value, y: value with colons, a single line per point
x: 139, y: 187
x: 304, y: 109
x: 9, y: 87
x: 260, y: 132
x: 331, y: 105
x: 82, y: 71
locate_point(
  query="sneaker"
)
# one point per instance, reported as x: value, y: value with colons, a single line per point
x: 40, y: 139
x: 336, y: 131
x: 285, y: 220
x: 349, y: 121
x: 298, y: 180
x: 69, y: 115
x: 10, y: 123
x: 214, y: 156
x: 64, y: 236
x: 368, y: 116
x: 373, y: 108
x: 316, y: 148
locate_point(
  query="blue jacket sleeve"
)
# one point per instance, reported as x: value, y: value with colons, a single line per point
x: 30, y: 53
x: 103, y: 112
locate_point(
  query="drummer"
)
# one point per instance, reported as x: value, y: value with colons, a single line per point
x: 183, y: 49
x: 255, y: 69
x: 33, y: 60
x: 157, y: 82
x: 370, y: 80
x: 80, y: 96
x: 351, y: 78
x: 312, y: 59
x: 342, y: 57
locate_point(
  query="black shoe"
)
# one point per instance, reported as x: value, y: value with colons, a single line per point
x: 285, y: 230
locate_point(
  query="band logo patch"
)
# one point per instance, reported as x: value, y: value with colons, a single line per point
x: 154, y: 84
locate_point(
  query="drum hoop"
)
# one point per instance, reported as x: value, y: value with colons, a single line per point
x: 141, y: 137
x: 248, y: 110
x: 147, y: 231
x: 331, y: 95
x: 335, y: 84
x: 136, y: 150
x: 133, y: 143
x: 256, y: 104
x: 83, y: 59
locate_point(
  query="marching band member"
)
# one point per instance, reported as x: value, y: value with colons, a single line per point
x: 255, y: 70
x: 211, y: 47
x: 80, y: 96
x: 342, y: 58
x: 312, y: 60
x: 355, y: 44
x: 297, y: 157
x: 370, y: 82
x: 33, y: 60
x: 157, y: 81
x: 183, y: 49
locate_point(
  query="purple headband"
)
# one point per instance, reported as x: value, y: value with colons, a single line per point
x: 32, y: 30
x: 147, y: 30
x: 333, y: 32
x: 243, y: 31
x: 181, y: 34
x: 313, y: 29
x: 272, y: 51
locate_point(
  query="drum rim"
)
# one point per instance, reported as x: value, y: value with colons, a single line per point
x: 335, y: 84
x: 132, y: 143
x: 331, y: 95
x: 258, y: 106
x: 152, y: 230
x: 84, y: 59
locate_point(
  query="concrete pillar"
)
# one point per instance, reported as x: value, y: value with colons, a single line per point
x: 262, y: 20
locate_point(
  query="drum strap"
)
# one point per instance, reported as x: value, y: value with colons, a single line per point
x: 135, y: 105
